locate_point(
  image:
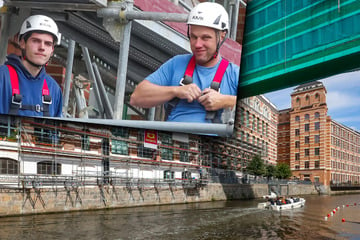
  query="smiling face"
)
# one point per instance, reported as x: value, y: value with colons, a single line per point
x: 38, y: 48
x: 203, y: 42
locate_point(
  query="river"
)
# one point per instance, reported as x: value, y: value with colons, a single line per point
x: 212, y: 220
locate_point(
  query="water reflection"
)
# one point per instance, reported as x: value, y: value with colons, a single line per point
x: 213, y: 220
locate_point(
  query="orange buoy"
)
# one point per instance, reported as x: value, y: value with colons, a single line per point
x: 328, y: 215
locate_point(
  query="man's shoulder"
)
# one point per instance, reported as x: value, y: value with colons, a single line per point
x: 181, y: 58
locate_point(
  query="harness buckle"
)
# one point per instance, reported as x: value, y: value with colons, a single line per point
x: 16, y: 99
x: 46, y: 99
x: 185, y: 80
x: 37, y: 108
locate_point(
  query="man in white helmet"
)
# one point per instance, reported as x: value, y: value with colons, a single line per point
x: 26, y: 89
x: 191, y: 98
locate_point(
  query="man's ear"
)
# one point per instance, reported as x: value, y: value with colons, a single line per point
x: 223, y: 34
x: 22, y: 43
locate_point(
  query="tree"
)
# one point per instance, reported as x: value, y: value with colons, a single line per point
x: 256, y: 166
x: 283, y: 171
x: 270, y: 171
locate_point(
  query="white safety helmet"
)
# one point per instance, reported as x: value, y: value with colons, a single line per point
x: 40, y: 23
x: 209, y: 14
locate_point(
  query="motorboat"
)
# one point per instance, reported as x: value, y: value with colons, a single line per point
x: 282, y: 204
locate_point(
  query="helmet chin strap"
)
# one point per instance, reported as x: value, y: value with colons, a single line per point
x: 218, y: 45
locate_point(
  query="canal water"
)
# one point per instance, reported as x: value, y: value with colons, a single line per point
x: 212, y: 220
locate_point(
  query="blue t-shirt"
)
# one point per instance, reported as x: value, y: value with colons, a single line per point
x: 172, y: 71
x: 30, y: 88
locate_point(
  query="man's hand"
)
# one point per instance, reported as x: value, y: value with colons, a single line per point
x: 189, y: 92
x: 211, y: 99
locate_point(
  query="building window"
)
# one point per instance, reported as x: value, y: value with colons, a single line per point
x: 184, y: 154
x: 247, y: 119
x: 297, y: 118
x: 317, y: 164
x: 297, y: 132
x: 166, y: 141
x: 9, y: 166
x: 168, y: 174
x: 317, y: 138
x: 141, y: 150
x: 253, y: 122
x: 85, y: 142
x: 307, y: 139
x: 307, y: 152
x: 307, y: 116
x: 120, y: 146
x: 297, y: 156
x: 297, y: 167
x: 317, y: 115
x: 49, y: 168
x: 186, y: 175
x: 317, y: 126
x: 297, y: 144
x: 242, y: 118
x: 317, y: 151
x: 307, y: 127
x: 307, y: 165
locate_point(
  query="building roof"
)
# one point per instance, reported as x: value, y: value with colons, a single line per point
x: 307, y: 86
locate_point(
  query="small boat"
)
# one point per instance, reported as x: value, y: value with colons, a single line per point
x: 283, y: 204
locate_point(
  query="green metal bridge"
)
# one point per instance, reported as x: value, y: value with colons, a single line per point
x: 290, y: 42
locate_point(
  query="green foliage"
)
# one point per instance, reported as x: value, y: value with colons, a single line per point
x: 270, y: 171
x: 283, y: 171
x: 256, y: 166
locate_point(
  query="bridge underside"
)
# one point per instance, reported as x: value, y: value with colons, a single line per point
x: 289, y: 42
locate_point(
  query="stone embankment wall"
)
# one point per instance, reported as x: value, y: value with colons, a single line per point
x: 47, y: 200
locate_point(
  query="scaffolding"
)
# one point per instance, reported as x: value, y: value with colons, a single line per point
x: 96, y: 44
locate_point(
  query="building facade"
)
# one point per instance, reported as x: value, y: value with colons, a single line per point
x: 317, y: 148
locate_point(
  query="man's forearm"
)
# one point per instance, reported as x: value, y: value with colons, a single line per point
x: 147, y: 95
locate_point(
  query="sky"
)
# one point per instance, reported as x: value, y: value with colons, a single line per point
x: 343, y: 98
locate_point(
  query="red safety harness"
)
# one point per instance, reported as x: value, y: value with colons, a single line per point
x: 188, y: 79
x: 16, y: 100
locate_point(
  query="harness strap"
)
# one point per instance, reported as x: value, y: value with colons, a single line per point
x: 187, y: 79
x: 215, y: 84
x: 16, y: 99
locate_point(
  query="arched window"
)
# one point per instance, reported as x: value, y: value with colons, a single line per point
x: 317, y: 115
x: 266, y: 113
x: 49, y: 168
x: 307, y: 116
x: 307, y: 100
x: 9, y: 166
x: 257, y: 105
x: 297, y: 118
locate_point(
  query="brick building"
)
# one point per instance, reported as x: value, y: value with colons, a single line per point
x: 316, y: 147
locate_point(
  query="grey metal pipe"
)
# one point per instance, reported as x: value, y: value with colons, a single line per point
x: 139, y: 15
x: 107, y: 105
x: 4, y: 35
x: 68, y: 73
x: 121, y: 71
x: 92, y: 77
x: 211, y: 129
